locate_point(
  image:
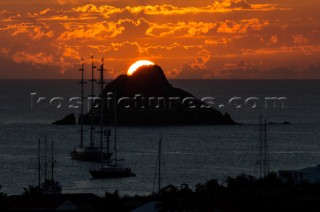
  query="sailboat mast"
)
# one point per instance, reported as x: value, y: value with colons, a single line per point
x: 108, y: 141
x: 260, y: 147
x: 101, y: 112
x: 159, y: 166
x: 115, y: 128
x: 82, y: 98
x: 52, y: 161
x: 265, y: 149
x: 39, y: 163
x: 45, y: 158
x: 92, y: 102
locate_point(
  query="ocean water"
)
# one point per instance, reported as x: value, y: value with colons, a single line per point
x: 191, y: 154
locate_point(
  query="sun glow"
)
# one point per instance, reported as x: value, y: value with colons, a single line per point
x: 138, y: 64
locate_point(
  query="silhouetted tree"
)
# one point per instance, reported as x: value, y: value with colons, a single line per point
x: 112, y: 201
x: 240, y: 193
x: 31, y: 190
x: 3, y: 200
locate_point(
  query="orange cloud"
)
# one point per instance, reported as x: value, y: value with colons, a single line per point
x: 243, y: 26
x: 186, y: 38
x: 305, y: 50
x: 216, y: 7
x: 181, y: 29
x: 72, y: 52
x: 4, y: 51
x: 96, y: 31
x: 167, y: 9
x: 243, y: 4
x: 274, y: 39
x: 32, y: 31
x: 105, y: 10
x: 186, y: 71
x: 217, y: 42
x: 35, y: 59
x: 201, y: 60
x: 175, y: 50
x: 300, y: 39
x: 63, y: 2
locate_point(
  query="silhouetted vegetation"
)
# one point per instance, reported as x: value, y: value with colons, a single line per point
x: 243, y: 193
x: 240, y: 193
x: 3, y: 200
x: 31, y: 190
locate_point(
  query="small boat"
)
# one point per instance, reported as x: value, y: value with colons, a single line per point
x: 91, y: 152
x: 111, y: 171
x: 48, y: 186
x: 115, y: 170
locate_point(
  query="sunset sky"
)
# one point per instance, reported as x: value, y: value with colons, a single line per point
x: 204, y: 39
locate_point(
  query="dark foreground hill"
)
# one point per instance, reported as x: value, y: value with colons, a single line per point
x: 147, y: 98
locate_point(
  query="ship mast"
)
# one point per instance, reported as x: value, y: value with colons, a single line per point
x: 52, y: 161
x: 39, y: 163
x: 115, y: 128
x: 45, y: 158
x: 260, y: 146
x: 92, y: 102
x: 159, y: 165
x: 101, y: 111
x: 263, y: 149
x: 82, y: 98
x: 266, y: 155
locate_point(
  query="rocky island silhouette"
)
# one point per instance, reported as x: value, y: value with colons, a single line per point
x: 147, y: 98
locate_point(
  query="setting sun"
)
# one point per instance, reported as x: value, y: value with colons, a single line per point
x: 138, y: 64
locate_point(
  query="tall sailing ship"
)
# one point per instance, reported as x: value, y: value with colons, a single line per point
x: 92, y: 152
x: 115, y: 169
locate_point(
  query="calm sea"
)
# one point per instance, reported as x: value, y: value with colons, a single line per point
x: 191, y: 154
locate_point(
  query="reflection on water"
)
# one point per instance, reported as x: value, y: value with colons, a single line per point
x: 191, y: 154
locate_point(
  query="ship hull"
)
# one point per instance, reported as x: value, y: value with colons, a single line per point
x: 106, y: 173
x: 91, y: 155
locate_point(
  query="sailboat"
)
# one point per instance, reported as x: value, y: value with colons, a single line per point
x: 91, y: 152
x: 158, y: 166
x: 263, y: 148
x: 109, y: 170
x: 48, y: 186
